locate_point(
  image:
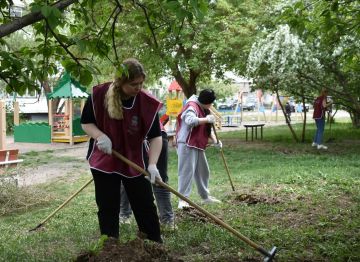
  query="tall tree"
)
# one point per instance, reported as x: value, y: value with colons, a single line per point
x: 278, y: 62
x: 332, y: 29
x: 188, y: 39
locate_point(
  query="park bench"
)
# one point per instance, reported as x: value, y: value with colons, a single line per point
x: 9, y: 158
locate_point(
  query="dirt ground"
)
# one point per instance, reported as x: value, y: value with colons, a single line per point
x: 42, y: 173
x: 145, y: 251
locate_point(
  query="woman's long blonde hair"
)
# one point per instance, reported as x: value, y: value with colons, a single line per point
x: 131, y: 69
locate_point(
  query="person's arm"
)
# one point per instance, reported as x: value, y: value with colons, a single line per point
x: 216, y: 142
x: 192, y: 120
x: 213, y: 138
x: 155, y: 149
x: 92, y: 130
x: 88, y: 124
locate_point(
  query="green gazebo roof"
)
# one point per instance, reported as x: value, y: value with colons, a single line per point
x: 68, y: 87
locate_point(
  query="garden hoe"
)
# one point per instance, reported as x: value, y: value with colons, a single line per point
x: 223, y: 157
x: 61, y: 206
x: 269, y: 255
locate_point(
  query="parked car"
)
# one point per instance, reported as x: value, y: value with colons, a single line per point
x: 225, y: 107
x: 249, y: 106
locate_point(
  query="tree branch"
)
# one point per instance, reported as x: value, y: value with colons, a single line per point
x: 119, y: 10
x: 4, y: 79
x: 63, y: 45
x: 31, y: 18
x: 143, y: 7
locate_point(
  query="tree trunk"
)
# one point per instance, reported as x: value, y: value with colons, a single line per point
x: 287, y: 119
x: 304, y: 122
x: 55, y: 102
x: 355, y: 118
x: 188, y: 88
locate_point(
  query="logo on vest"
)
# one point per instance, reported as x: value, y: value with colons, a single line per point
x: 134, y: 125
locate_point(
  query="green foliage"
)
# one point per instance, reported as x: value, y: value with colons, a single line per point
x: 98, y: 246
x: 190, y: 40
x: 331, y: 30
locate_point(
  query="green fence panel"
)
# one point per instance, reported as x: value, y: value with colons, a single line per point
x: 39, y: 132
x: 77, y: 129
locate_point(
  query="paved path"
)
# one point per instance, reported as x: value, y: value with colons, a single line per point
x: 27, y: 147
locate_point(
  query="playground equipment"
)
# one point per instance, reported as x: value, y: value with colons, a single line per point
x: 174, y: 104
x: 8, y: 157
x: 64, y: 122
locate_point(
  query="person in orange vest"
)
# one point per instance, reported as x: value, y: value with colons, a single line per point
x: 320, y: 107
x: 119, y: 116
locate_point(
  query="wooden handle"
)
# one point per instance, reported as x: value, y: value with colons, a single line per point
x: 223, y: 158
x: 206, y: 213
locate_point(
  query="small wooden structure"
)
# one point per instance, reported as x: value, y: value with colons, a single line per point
x: 65, y: 126
x: 8, y: 157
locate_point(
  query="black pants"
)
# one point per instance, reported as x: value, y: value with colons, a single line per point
x: 139, y: 191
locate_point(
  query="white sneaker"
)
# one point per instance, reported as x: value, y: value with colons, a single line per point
x: 168, y: 226
x: 183, y: 204
x: 125, y: 220
x: 210, y: 200
x: 322, y: 147
x: 314, y: 144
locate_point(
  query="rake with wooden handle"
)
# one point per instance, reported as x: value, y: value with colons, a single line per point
x: 269, y: 255
x: 61, y: 206
x: 223, y: 158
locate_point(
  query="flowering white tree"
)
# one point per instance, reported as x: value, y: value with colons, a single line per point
x: 330, y: 27
x: 277, y: 60
x: 277, y: 63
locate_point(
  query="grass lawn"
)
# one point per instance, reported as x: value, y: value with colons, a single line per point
x: 287, y: 194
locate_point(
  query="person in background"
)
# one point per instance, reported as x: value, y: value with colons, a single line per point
x: 288, y: 112
x: 193, y: 130
x: 162, y: 195
x: 320, y: 106
x: 118, y: 116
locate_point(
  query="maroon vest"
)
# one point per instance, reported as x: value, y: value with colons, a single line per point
x: 127, y: 135
x: 198, y: 136
x: 319, y: 110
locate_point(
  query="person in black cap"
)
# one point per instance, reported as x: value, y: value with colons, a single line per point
x: 193, y: 131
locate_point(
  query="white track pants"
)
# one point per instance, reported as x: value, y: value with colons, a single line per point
x: 192, y: 163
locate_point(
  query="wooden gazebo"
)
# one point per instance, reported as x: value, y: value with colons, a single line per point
x: 65, y: 124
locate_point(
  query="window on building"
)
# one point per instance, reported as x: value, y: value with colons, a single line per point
x: 15, y: 11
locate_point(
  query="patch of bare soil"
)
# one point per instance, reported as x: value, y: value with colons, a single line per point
x: 136, y: 250
x: 193, y: 214
x: 55, y: 169
x: 253, y: 199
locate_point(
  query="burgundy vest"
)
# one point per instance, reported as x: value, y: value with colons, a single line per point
x: 198, y: 136
x: 319, y: 110
x: 127, y: 135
